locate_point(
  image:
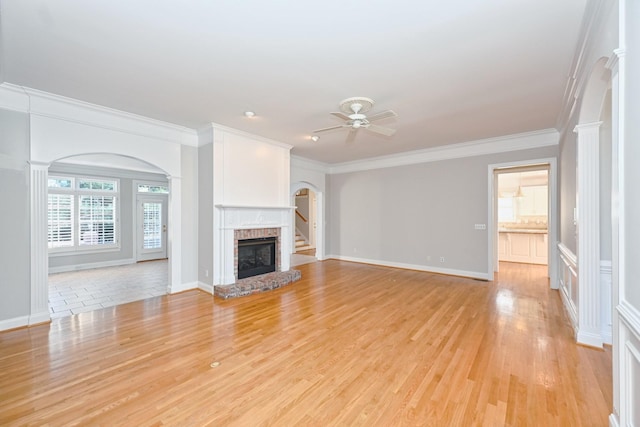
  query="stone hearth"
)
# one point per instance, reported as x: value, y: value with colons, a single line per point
x: 257, y: 284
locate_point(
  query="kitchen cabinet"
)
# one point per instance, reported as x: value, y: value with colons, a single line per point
x: 526, y: 247
x: 535, y: 201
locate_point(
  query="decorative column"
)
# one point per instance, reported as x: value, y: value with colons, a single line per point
x: 588, y: 183
x: 617, y: 222
x: 39, y: 313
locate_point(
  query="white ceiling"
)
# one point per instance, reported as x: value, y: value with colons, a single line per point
x: 454, y: 71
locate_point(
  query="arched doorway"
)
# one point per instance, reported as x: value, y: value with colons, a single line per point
x: 106, y: 213
x: 39, y: 171
x: 314, y: 217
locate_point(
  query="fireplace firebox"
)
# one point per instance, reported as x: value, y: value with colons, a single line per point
x: 256, y: 256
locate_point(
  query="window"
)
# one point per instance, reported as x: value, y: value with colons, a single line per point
x: 82, y: 213
x: 506, y: 209
x: 153, y: 188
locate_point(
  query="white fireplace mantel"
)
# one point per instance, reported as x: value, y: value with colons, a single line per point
x: 228, y: 218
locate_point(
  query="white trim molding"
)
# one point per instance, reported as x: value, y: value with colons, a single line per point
x: 54, y: 106
x: 233, y: 217
x: 206, y: 137
x: 606, y: 305
x: 14, y: 323
x: 417, y: 267
x: 39, y: 249
x: 629, y: 359
x: 588, y: 204
x: 205, y: 287
x: 568, y: 282
x: 502, y: 144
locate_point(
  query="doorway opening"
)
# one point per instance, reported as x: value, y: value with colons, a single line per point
x: 305, y: 224
x: 103, y: 221
x: 522, y: 215
x: 308, y: 219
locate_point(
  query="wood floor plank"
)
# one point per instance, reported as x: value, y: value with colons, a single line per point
x: 349, y: 344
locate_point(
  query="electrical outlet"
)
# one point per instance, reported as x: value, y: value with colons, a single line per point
x: 441, y: 259
x: 428, y: 258
x: 206, y: 273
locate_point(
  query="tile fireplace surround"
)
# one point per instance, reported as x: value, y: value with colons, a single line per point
x: 247, y: 222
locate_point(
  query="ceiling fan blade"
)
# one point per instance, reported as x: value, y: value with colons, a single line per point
x: 329, y: 128
x: 381, y: 130
x: 382, y: 115
x: 351, y: 136
x: 340, y: 115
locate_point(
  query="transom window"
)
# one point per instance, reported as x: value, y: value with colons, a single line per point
x: 153, y: 189
x: 83, y: 213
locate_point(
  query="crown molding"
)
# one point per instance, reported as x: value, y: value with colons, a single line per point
x: 308, y: 164
x: 594, y: 17
x: 207, y: 134
x: 44, y: 104
x: 502, y: 144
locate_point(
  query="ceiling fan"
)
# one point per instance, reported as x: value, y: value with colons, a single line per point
x: 352, y: 112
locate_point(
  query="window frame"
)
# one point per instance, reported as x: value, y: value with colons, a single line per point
x: 76, y: 194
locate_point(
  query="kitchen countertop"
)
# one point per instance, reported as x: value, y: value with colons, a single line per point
x: 523, y: 230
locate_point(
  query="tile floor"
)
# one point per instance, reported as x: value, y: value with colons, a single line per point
x: 87, y: 290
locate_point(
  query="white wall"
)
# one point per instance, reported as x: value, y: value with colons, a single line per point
x: 307, y: 171
x: 255, y: 171
x: 627, y: 177
x: 238, y: 171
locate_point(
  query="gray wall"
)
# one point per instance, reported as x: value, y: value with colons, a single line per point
x: 567, y: 172
x: 15, y: 246
x: 605, y: 180
x: 409, y: 213
x: 189, y: 213
x: 205, y: 213
x: 127, y: 213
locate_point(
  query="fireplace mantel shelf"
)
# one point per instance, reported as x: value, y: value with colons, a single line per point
x: 254, y: 207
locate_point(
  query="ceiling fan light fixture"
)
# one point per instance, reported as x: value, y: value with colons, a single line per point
x: 353, y: 114
x: 249, y: 114
x: 315, y: 138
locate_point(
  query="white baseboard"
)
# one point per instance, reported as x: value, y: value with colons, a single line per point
x: 589, y: 338
x: 205, y: 287
x: 16, y: 322
x: 88, y: 266
x: 613, y: 421
x: 22, y: 321
x: 43, y: 317
x: 181, y: 287
x: 426, y: 268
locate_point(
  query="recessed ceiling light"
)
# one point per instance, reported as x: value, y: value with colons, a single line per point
x: 249, y: 114
x: 315, y: 138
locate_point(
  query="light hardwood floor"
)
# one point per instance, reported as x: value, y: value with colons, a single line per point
x: 349, y: 344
